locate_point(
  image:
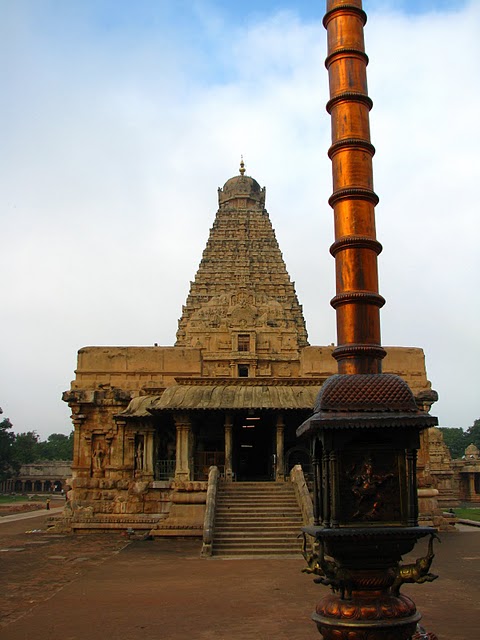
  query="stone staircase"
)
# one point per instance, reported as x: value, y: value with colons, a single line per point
x: 256, y: 518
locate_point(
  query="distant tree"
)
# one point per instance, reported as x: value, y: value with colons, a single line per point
x: 57, y: 447
x: 7, y: 438
x: 25, y: 448
x: 472, y: 435
x: 455, y: 439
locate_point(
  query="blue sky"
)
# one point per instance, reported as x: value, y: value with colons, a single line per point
x: 118, y: 122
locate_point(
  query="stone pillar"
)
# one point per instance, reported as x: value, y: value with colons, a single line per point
x: 148, y: 452
x: 471, y: 486
x: 82, y: 442
x: 228, y: 447
x: 280, y: 464
x: 182, y: 465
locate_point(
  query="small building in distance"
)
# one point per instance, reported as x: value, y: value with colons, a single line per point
x: 43, y: 476
x: 467, y: 475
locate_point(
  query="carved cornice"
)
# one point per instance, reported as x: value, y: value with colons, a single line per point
x: 97, y: 397
x: 253, y: 382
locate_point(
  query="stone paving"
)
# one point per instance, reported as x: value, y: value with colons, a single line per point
x: 79, y: 587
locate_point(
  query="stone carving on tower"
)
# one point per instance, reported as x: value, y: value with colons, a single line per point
x: 242, y: 303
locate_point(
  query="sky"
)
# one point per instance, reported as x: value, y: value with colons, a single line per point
x: 118, y: 122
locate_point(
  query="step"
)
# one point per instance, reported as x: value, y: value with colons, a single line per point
x: 290, y: 530
x: 252, y: 512
x: 268, y: 543
x: 254, y: 519
x: 258, y: 524
x: 239, y: 523
x: 258, y: 553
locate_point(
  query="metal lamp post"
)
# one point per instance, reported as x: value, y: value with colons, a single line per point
x: 365, y: 430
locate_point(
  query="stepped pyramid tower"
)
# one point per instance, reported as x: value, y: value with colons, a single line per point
x: 241, y: 377
x: 242, y: 306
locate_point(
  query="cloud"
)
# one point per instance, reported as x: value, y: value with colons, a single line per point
x: 116, y: 141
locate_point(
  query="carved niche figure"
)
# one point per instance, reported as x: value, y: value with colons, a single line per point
x: 139, y: 453
x: 99, y: 455
x: 367, y: 487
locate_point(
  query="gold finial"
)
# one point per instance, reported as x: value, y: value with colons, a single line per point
x: 242, y: 166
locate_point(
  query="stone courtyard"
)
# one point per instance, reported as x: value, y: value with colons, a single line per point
x: 75, y: 587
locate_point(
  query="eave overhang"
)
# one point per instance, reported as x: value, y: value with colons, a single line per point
x: 227, y: 394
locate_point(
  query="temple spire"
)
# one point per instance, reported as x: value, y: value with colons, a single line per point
x: 242, y: 166
x: 242, y: 283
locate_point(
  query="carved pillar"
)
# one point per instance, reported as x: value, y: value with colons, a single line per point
x: 471, y: 486
x: 228, y: 447
x: 412, y: 487
x: 317, y: 482
x: 81, y: 446
x: 120, y: 442
x: 183, y: 428
x: 149, y: 451
x: 129, y: 453
x: 280, y: 466
x: 334, y: 494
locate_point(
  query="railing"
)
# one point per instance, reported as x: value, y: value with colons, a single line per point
x: 164, y: 469
x: 209, y: 521
x: 303, y: 495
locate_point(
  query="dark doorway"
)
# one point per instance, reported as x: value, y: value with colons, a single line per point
x: 253, y: 447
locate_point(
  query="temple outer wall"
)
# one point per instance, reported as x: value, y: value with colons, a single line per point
x: 110, y: 488
x: 144, y: 370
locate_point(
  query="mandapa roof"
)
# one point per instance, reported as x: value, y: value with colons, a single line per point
x: 222, y: 397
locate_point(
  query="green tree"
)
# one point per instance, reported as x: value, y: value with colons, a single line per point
x: 25, y: 447
x: 7, y: 438
x: 455, y: 439
x: 57, y: 447
x: 472, y: 435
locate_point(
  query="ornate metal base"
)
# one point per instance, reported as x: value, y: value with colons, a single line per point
x: 376, y: 617
x: 364, y: 572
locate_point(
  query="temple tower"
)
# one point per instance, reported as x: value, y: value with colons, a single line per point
x: 242, y: 300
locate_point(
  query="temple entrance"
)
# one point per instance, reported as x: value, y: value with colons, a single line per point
x: 253, y: 447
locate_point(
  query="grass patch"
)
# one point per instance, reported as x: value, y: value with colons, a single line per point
x: 9, y: 499
x: 13, y: 499
x: 468, y: 514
